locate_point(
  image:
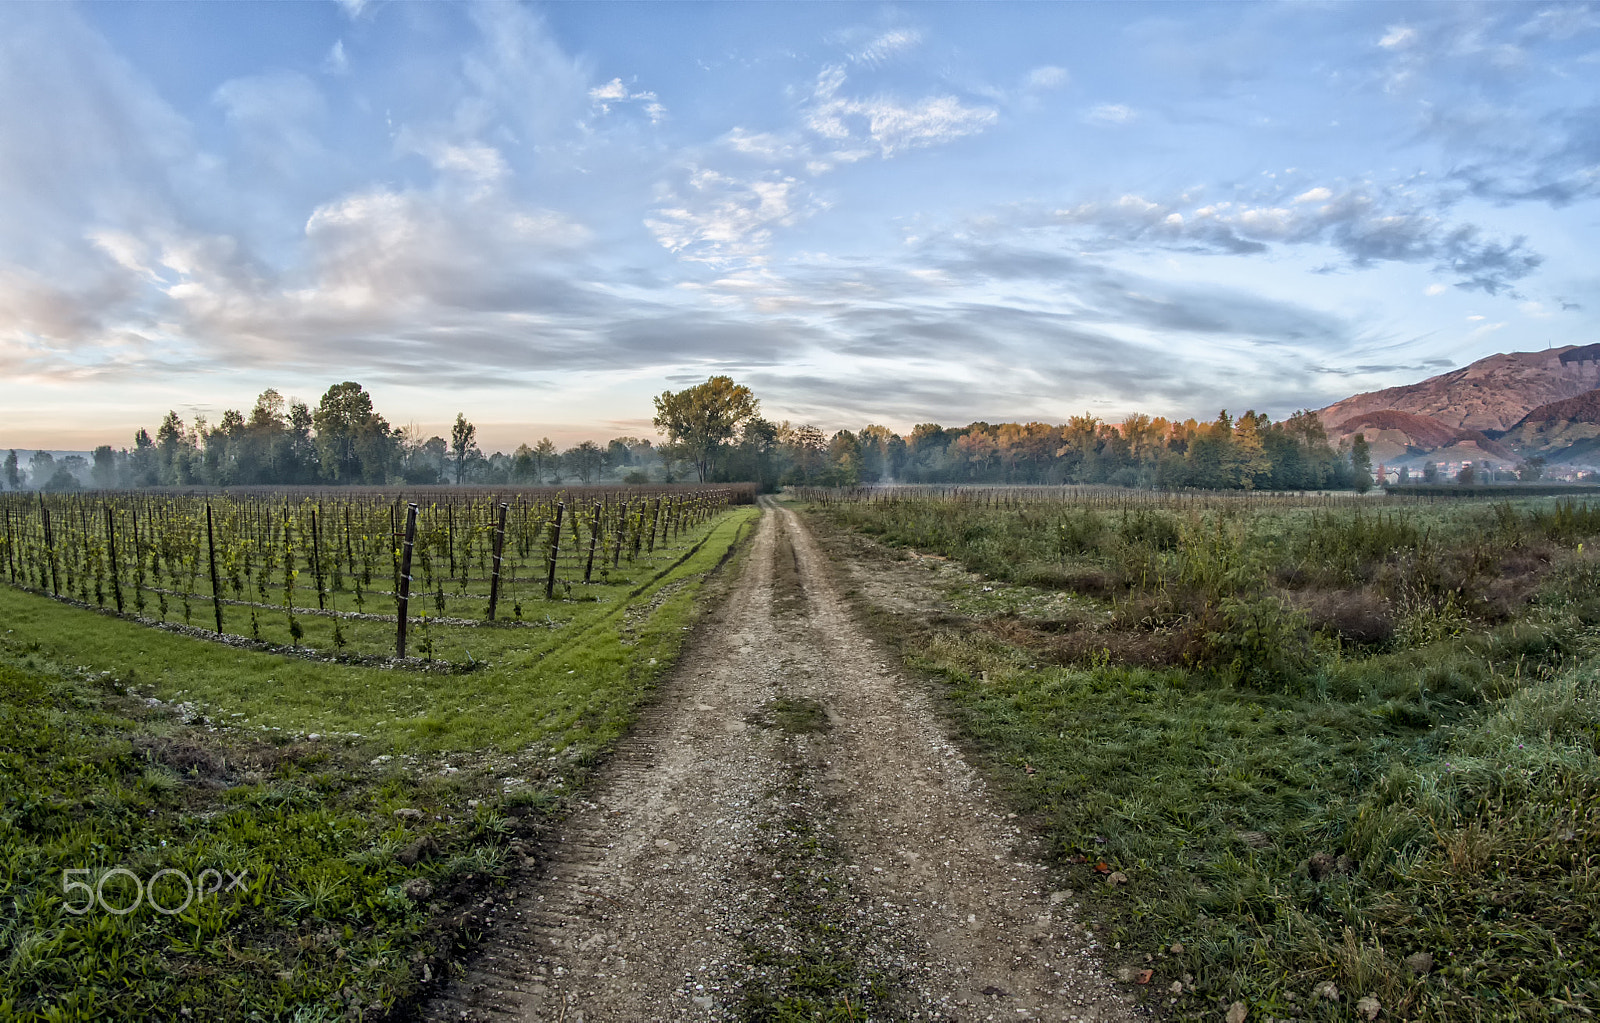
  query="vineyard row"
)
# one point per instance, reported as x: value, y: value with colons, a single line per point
x: 366, y: 559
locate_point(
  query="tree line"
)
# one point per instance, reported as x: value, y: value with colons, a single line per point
x: 715, y: 433
x: 343, y: 440
x: 719, y: 427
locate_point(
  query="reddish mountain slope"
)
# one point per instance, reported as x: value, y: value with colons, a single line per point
x: 1585, y: 408
x: 1396, y: 436
x: 1566, y: 431
x: 1491, y: 394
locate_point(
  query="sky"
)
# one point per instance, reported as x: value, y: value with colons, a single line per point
x: 542, y: 216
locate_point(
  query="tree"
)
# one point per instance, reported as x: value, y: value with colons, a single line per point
x: 522, y: 469
x: 145, y: 471
x: 545, y: 459
x: 463, y: 444
x: 173, y: 448
x: 1466, y: 477
x: 40, y: 468
x: 1531, y: 470
x: 13, y: 474
x: 583, y: 459
x: 619, y: 452
x: 703, y: 418
x: 1361, y: 462
x: 302, y: 465
x: 104, y: 472
x: 807, y: 448
x: 352, y: 439
x: 1250, y: 462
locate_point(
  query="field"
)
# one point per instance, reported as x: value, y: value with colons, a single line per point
x: 329, y: 572
x: 1320, y: 757
x: 1278, y: 744
x: 329, y: 826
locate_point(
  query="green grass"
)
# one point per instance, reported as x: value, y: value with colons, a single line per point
x: 810, y: 956
x: 576, y: 683
x: 126, y: 746
x: 1453, y: 763
x: 280, y: 588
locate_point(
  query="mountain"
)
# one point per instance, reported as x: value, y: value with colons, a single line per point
x: 1561, y: 431
x: 1395, y: 437
x: 1492, y: 394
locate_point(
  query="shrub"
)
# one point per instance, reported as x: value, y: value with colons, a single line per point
x: 1262, y: 642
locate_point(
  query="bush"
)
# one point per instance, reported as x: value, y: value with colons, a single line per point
x: 1262, y: 642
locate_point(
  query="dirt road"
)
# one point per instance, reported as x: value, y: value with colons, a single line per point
x: 790, y: 826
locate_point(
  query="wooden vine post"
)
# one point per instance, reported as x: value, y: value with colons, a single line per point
x: 11, y: 565
x: 216, y: 587
x: 499, y: 548
x: 394, y: 555
x: 555, y: 551
x: 49, y: 548
x: 349, y: 552
x: 622, y: 531
x: 111, y: 548
x: 316, y: 559
x: 404, y: 589
x: 594, y: 537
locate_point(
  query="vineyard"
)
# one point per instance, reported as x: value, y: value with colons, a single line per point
x: 356, y: 576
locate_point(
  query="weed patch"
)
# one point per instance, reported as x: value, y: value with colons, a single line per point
x: 1356, y: 763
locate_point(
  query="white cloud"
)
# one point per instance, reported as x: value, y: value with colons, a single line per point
x: 1111, y: 113
x: 891, y: 125
x: 1398, y: 37
x: 478, y: 163
x: 1318, y: 194
x: 336, y: 62
x: 887, y: 45
x: 1434, y: 290
x: 612, y: 90
x: 1047, y: 77
x: 127, y: 250
x: 763, y: 144
x: 714, y: 217
x: 615, y: 91
x: 1560, y: 23
x: 1482, y: 331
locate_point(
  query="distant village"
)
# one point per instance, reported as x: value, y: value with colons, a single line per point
x: 1471, y: 472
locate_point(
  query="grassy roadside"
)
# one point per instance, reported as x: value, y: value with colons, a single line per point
x: 1414, y: 820
x: 357, y: 821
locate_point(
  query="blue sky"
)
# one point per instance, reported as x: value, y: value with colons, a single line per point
x: 543, y: 215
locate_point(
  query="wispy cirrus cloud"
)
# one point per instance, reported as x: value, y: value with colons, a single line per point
x: 884, y: 46
x: 1111, y: 113
x: 889, y: 124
